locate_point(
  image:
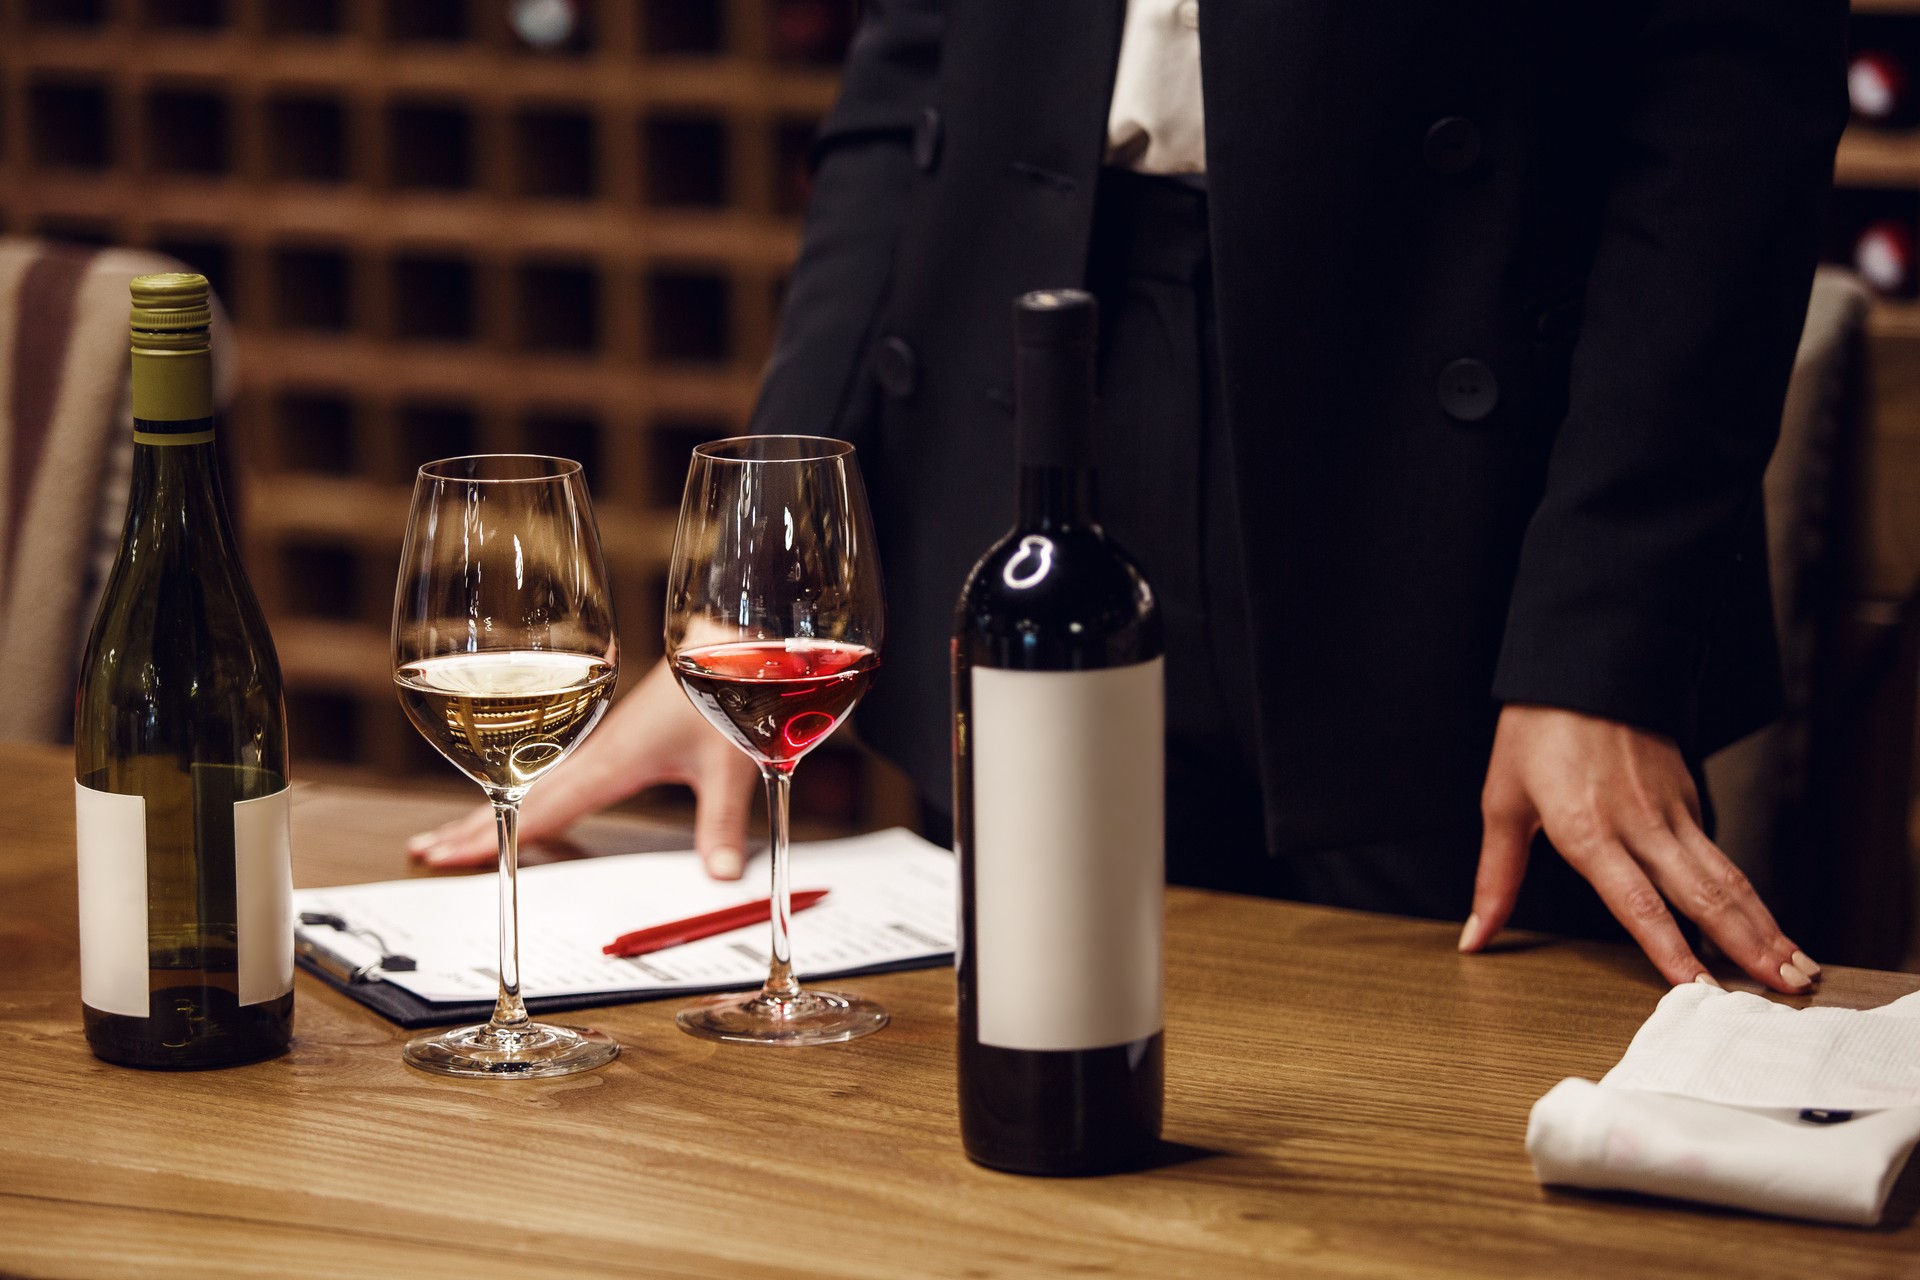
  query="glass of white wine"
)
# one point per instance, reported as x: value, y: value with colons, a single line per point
x: 504, y: 656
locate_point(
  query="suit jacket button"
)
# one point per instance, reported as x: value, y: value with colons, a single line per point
x: 1452, y: 146
x: 1468, y: 390
x: 926, y: 141
x: 896, y: 367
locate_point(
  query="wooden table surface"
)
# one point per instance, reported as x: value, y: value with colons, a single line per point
x: 1348, y: 1096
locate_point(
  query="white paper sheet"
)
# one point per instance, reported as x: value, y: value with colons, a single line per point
x: 892, y: 901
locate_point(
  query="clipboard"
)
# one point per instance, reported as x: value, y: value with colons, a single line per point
x: 420, y: 952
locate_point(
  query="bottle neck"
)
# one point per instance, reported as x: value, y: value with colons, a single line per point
x: 1057, y: 497
x: 172, y: 378
x: 176, y: 471
x: 1054, y: 420
x: 176, y: 492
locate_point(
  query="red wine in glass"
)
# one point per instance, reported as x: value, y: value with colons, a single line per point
x: 776, y: 699
x: 773, y: 628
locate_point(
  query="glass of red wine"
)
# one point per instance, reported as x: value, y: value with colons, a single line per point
x: 773, y: 621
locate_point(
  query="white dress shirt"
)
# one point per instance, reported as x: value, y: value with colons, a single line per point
x: 1156, y: 123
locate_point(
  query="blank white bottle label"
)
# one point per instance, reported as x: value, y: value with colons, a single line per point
x: 112, y: 840
x: 263, y: 893
x: 1069, y: 862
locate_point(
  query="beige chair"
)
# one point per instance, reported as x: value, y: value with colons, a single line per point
x: 1754, y: 780
x: 1815, y: 806
x: 66, y: 451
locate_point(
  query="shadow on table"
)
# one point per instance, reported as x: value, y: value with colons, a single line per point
x: 1505, y: 944
x: 1219, y: 1166
x: 1622, y: 959
x: 1902, y: 1203
x: 1171, y: 1155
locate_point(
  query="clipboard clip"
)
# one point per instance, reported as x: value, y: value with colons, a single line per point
x: 333, y: 964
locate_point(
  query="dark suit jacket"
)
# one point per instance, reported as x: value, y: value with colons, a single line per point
x: 1508, y: 293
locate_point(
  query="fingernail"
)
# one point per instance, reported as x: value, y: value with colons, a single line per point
x: 420, y: 843
x: 436, y: 855
x: 726, y: 864
x: 1794, y: 977
x: 1804, y: 964
x: 1470, y: 931
x: 1708, y: 980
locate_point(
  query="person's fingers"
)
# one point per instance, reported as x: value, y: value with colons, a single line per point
x: 653, y: 735
x: 1713, y: 897
x: 1717, y: 896
x: 420, y: 842
x: 723, y: 801
x: 586, y: 781
x: 1506, y: 835
x: 467, y: 841
x: 1664, y: 833
x: 1621, y: 808
x: 1631, y: 897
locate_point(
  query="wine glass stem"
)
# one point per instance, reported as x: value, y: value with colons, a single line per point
x: 780, y: 984
x: 509, y: 1014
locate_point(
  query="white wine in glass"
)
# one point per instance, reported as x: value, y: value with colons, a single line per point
x: 504, y: 657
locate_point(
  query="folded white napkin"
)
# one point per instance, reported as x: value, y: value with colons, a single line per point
x: 1730, y: 1099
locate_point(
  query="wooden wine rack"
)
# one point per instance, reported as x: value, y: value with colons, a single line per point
x: 1887, y: 536
x: 434, y: 239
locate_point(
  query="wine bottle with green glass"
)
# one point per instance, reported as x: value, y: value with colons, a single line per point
x: 180, y: 743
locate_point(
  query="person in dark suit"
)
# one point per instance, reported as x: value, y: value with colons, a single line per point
x: 1444, y: 347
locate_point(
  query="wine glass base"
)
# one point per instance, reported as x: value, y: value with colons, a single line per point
x: 529, y: 1052
x: 811, y: 1017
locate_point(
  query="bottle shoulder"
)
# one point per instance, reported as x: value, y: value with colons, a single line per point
x: 178, y: 648
x: 1057, y: 598
x: 184, y: 586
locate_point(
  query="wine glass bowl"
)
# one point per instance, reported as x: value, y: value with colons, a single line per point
x: 774, y: 620
x: 504, y: 657
x: 503, y: 719
x: 775, y: 699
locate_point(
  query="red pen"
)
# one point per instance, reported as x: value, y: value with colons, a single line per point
x: 661, y: 936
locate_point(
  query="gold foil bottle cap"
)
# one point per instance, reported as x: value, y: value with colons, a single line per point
x: 171, y: 302
x: 172, y: 355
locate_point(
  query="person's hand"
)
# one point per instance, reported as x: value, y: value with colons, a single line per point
x: 1619, y: 805
x: 652, y: 735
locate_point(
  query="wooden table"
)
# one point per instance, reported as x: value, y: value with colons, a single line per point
x: 1349, y: 1096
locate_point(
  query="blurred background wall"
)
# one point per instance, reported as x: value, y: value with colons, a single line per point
x: 447, y: 226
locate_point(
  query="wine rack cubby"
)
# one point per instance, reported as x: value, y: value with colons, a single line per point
x: 436, y: 233
x: 306, y: 138
x: 685, y: 161
x: 72, y: 126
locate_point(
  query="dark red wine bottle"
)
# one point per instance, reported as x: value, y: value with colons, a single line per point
x: 815, y: 31
x: 1059, y: 804
x: 1880, y: 89
x: 1883, y: 255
